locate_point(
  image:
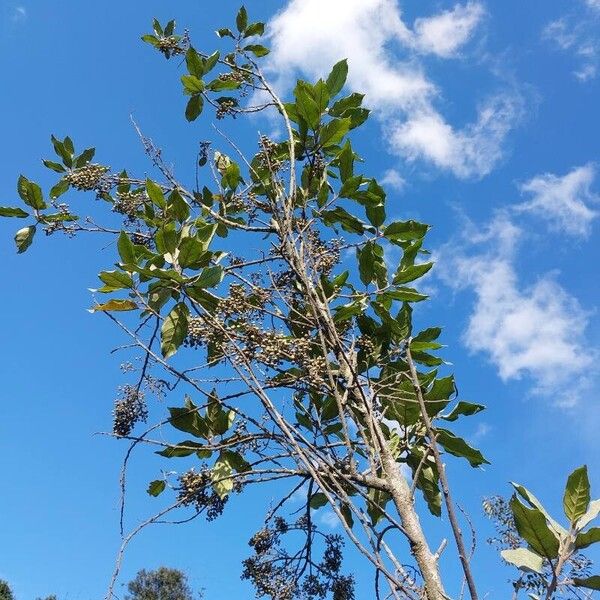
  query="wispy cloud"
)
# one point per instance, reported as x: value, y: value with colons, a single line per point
x: 580, y: 36
x: 18, y: 14
x: 534, y: 330
x: 563, y: 201
x: 393, y: 180
x: 385, y: 55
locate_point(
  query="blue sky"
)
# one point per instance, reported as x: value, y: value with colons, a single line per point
x: 485, y: 125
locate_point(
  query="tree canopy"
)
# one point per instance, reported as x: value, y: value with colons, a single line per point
x: 273, y: 303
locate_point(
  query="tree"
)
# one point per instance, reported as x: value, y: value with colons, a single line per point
x: 5, y: 591
x: 161, y: 584
x: 301, y: 366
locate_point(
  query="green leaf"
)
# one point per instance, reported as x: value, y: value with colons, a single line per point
x: 257, y: 50
x: 577, y: 494
x: 406, y: 294
x: 156, y: 488
x: 182, y: 450
x: 534, y: 502
x: 408, y: 274
x: 166, y: 239
x: 174, y: 330
x: 371, y: 264
x: 158, y: 30
x: 458, y: 447
x: 221, y: 477
x: 533, y: 528
x: 307, y: 107
x: 210, y: 277
x: 524, y: 559
x: 257, y: 28
x: 194, y: 63
x: 225, y: 32
x: 588, y: 538
x: 402, y: 231
x: 155, y: 193
x: 442, y: 389
x: 54, y: 166
x: 24, y: 238
x: 347, y: 515
x: 463, y: 409
x: 337, y: 77
x: 126, y: 249
x: 60, y: 188
x: 236, y: 461
x: 170, y: 28
x: 232, y: 176
x: 62, y: 151
x: 7, y: 211
x: 192, y: 85
x: 31, y: 193
x: 318, y: 500
x: 115, y: 280
x: 194, y: 108
x: 592, y: 512
x: 345, y: 161
x: 348, y: 222
x: 592, y: 583
x: 241, y: 20
x: 188, y: 420
x: 190, y: 251
x: 342, y: 106
x: 150, y: 39
x: 333, y: 132
x: 85, y: 157
x: 115, y: 306
x: 211, y: 61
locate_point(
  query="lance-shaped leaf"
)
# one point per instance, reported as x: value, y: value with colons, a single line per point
x: 174, y: 329
x: 8, y: 211
x: 458, y: 447
x: 577, y: 494
x: 337, y: 77
x: 182, y: 450
x: 115, y: 306
x: 463, y: 409
x: 534, y: 502
x: 592, y: 512
x: 592, y: 583
x: 583, y: 540
x: 524, y: 559
x: 533, y: 528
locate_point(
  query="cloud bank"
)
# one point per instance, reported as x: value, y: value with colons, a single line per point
x: 386, y: 58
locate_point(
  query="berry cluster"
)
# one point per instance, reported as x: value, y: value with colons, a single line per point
x: 129, y: 203
x: 88, y: 177
x: 195, y: 489
x: 227, y: 106
x: 129, y: 409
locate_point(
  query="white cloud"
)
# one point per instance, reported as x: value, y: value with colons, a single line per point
x: 393, y: 180
x: 580, y: 37
x: 535, y: 331
x: 445, y: 33
x: 593, y: 4
x: 384, y: 54
x: 563, y: 201
x: 472, y: 151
